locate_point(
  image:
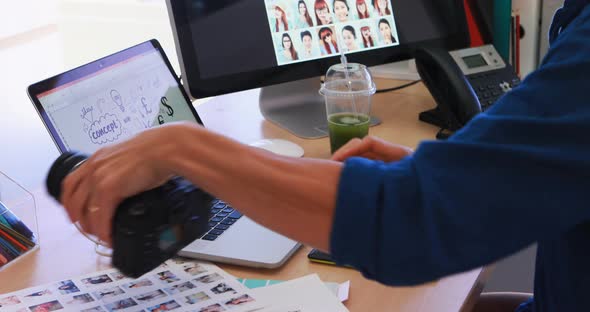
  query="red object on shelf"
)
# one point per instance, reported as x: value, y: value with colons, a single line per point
x: 517, y: 44
x: 474, y: 33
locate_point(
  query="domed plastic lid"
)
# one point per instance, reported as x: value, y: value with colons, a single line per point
x: 350, y: 79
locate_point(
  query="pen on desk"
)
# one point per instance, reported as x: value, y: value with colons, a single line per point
x: 8, y: 250
x: 17, y: 224
x: 323, y: 261
x: 18, y: 236
x: 6, y: 254
x: 12, y: 241
x: 3, y: 220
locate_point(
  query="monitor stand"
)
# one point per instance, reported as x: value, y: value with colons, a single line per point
x: 298, y: 107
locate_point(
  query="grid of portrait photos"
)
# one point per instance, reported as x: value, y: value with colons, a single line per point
x: 177, y: 285
x: 304, y: 30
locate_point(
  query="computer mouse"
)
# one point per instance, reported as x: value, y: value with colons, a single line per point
x: 280, y: 147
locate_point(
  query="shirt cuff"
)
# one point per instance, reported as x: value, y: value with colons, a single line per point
x: 365, y: 190
x: 359, y: 205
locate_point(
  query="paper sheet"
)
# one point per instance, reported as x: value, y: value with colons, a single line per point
x: 339, y: 290
x: 178, y: 285
x: 305, y: 294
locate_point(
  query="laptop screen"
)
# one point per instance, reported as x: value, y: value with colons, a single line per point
x: 111, y: 99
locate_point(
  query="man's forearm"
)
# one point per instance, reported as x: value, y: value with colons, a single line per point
x: 293, y: 196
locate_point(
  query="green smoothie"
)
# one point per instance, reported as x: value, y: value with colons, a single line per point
x: 346, y: 126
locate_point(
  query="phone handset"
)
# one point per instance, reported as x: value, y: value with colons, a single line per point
x: 456, y: 100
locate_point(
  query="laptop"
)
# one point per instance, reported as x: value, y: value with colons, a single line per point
x: 118, y: 96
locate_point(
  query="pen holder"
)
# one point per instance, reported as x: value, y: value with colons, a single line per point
x: 19, y: 234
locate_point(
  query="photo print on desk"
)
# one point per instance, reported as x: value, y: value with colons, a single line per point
x: 236, y: 301
x: 108, y: 293
x: 121, y: 305
x: 177, y: 289
x: 39, y: 293
x: 80, y: 299
x: 210, y: 278
x: 166, y: 306
x: 198, y: 297
x: 97, y: 280
x: 222, y: 288
x: 46, y: 306
x: 167, y: 277
x: 117, y: 276
x: 150, y: 296
x: 141, y: 283
x: 94, y: 309
x: 213, y: 308
x: 9, y: 301
x: 67, y: 287
x: 193, y: 268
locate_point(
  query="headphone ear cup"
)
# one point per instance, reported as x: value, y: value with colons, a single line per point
x: 448, y: 85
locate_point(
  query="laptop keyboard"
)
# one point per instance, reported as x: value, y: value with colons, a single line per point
x: 223, y: 216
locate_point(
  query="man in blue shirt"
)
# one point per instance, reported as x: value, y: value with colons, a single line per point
x: 515, y: 175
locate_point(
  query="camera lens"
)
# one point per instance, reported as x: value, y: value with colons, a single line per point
x: 63, y: 165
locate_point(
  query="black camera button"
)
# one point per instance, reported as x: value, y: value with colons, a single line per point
x: 138, y: 209
x: 127, y: 231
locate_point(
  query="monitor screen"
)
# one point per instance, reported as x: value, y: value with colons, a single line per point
x: 111, y: 99
x: 233, y: 45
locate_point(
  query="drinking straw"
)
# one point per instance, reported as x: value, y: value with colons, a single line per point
x: 344, y: 62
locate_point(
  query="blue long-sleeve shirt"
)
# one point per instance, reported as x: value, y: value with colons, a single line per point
x: 515, y: 175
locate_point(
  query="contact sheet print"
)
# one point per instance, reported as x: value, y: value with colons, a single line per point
x: 177, y: 285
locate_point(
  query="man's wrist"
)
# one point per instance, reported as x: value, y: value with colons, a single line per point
x: 176, y: 149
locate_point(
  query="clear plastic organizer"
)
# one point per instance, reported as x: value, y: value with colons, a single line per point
x: 19, y: 233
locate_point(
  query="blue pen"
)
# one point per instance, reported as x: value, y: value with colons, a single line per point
x: 6, y: 252
x: 7, y: 246
x: 4, y: 221
x: 17, y: 225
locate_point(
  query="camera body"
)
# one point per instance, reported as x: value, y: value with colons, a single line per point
x: 151, y: 227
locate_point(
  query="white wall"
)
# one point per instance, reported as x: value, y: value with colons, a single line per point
x: 19, y: 16
x: 114, y: 25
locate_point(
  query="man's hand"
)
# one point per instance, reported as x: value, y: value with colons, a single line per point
x: 372, y: 148
x: 92, y: 192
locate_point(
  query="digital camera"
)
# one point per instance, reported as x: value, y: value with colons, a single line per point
x: 148, y: 228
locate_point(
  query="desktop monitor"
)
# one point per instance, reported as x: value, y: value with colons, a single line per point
x: 226, y: 46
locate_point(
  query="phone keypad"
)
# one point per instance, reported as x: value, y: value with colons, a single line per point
x: 490, y: 86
